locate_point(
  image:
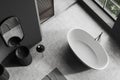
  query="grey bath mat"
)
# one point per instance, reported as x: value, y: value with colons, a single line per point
x: 54, y: 75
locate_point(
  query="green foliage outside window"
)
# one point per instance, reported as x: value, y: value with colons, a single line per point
x: 102, y: 2
x: 113, y: 6
x: 117, y: 1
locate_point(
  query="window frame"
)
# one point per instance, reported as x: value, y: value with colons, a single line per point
x: 97, y: 13
x: 103, y: 7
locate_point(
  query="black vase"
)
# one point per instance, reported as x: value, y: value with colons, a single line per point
x: 23, y: 55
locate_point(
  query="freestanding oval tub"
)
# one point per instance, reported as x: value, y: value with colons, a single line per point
x: 87, y: 49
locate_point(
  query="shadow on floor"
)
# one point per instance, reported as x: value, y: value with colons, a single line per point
x: 11, y: 61
x: 75, y: 64
x: 113, y: 49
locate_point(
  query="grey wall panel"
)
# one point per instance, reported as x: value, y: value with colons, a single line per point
x: 26, y: 12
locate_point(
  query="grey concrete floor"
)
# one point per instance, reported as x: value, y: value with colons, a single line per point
x: 57, y: 53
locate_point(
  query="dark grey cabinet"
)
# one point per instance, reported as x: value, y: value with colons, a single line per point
x: 116, y: 29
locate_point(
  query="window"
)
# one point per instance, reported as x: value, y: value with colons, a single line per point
x: 112, y: 7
